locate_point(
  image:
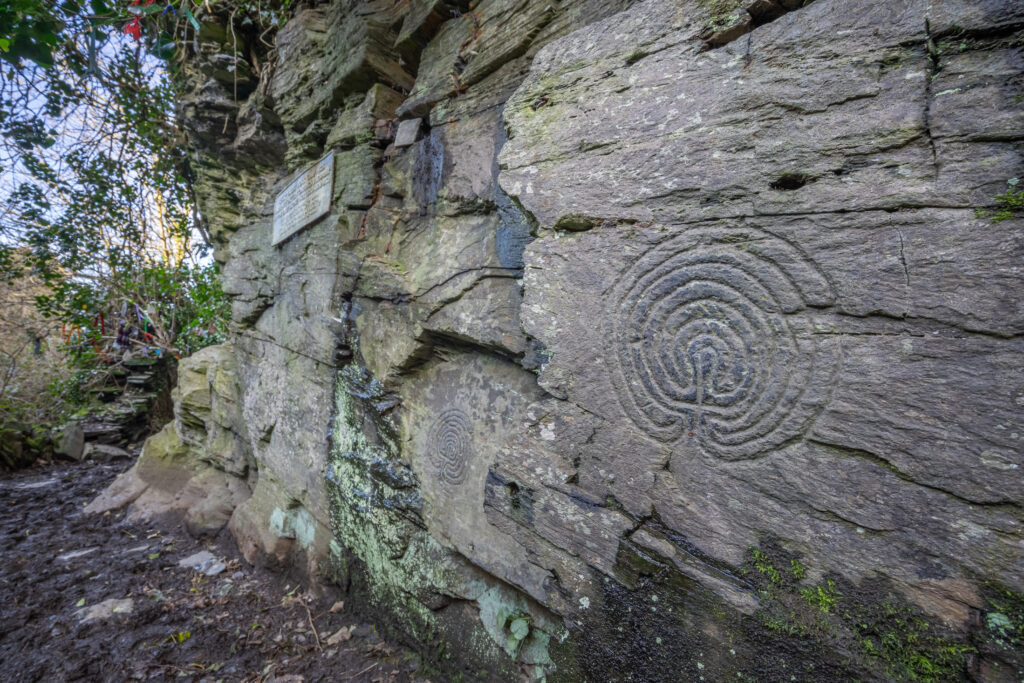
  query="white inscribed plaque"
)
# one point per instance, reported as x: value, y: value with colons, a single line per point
x: 305, y: 201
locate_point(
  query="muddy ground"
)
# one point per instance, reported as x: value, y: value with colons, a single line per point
x: 242, y: 624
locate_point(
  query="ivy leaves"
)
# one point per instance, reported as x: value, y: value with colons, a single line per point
x: 30, y: 30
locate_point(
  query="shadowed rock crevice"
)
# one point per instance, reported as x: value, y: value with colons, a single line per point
x: 732, y: 19
x: 790, y: 181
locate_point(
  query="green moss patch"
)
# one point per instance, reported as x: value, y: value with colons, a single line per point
x: 868, y: 626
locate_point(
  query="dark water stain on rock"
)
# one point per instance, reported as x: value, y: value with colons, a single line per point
x: 513, y: 231
x: 428, y: 171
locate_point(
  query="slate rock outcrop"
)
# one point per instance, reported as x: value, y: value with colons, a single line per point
x: 674, y: 342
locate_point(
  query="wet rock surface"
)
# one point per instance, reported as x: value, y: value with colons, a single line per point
x: 86, y: 597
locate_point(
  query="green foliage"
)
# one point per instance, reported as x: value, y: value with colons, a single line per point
x: 797, y: 570
x: 72, y: 390
x: 97, y: 214
x: 1004, y: 625
x: 636, y: 55
x: 882, y: 633
x: 29, y: 29
x: 764, y: 565
x: 517, y: 624
x: 1000, y: 626
x: 1009, y: 205
x: 179, y: 637
x: 790, y: 624
x: 907, y: 647
x: 39, y: 31
x: 99, y: 201
x: 824, y: 597
x: 33, y: 365
x: 21, y: 445
x: 204, y: 311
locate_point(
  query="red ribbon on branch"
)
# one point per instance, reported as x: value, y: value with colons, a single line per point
x: 134, y: 29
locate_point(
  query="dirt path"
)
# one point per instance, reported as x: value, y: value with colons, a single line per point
x: 172, y: 622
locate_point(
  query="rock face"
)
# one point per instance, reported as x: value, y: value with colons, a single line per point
x: 195, y: 467
x: 665, y: 342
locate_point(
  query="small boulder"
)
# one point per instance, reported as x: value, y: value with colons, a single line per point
x: 203, y: 557
x: 104, y: 452
x: 71, y: 441
x: 105, y: 609
x: 214, y: 568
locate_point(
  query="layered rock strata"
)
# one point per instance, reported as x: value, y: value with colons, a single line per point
x: 666, y: 341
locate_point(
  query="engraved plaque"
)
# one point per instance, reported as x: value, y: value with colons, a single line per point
x: 305, y: 201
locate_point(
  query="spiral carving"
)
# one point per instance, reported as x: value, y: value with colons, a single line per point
x: 450, y: 443
x: 713, y: 341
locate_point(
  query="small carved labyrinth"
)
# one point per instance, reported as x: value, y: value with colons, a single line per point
x: 713, y: 341
x: 450, y: 442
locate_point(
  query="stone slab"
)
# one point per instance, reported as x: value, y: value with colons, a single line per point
x: 306, y: 200
x: 408, y: 132
x: 106, y: 609
x: 197, y: 560
x: 71, y: 442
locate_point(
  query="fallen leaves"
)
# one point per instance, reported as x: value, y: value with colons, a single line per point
x: 340, y: 636
x: 179, y: 637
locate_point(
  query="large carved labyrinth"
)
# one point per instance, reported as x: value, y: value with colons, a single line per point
x: 450, y: 443
x: 713, y: 341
